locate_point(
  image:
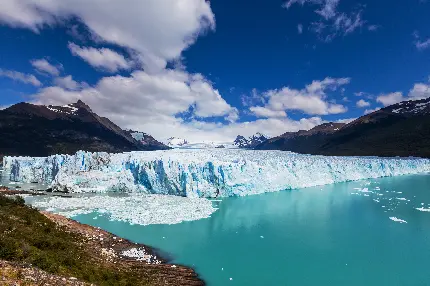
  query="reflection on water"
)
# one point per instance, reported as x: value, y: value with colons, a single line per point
x: 332, y: 235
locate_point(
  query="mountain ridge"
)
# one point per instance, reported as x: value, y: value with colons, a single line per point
x: 38, y: 130
x: 402, y: 129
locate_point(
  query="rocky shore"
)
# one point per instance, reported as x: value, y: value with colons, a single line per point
x: 101, y: 248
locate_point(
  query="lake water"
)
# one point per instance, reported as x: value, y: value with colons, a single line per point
x: 358, y: 233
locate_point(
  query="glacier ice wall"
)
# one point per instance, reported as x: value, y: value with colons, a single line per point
x: 202, y: 173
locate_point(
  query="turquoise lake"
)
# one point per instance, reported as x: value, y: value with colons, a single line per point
x: 338, y: 234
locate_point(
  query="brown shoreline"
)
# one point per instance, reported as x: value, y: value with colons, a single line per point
x: 106, y: 249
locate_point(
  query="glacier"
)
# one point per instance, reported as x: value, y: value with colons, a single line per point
x: 201, y: 173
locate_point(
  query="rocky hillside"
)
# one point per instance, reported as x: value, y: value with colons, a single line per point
x: 402, y: 129
x: 38, y: 130
x: 147, y: 141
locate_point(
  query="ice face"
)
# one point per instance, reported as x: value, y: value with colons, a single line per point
x: 202, y: 173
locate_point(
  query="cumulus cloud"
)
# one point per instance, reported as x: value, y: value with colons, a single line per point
x: 158, y: 30
x: 419, y: 91
x: 153, y: 103
x: 142, y: 98
x: 69, y: 83
x: 43, y: 66
x: 390, y: 98
x: 105, y: 59
x: 362, y: 103
x: 333, y: 23
x: 260, y: 111
x: 22, y: 77
x: 311, y: 100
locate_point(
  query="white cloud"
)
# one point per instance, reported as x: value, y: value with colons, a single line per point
x: 105, y: 59
x: 362, y: 103
x: 300, y: 28
x: 43, y: 66
x: 391, y: 98
x: 367, y: 111
x: 333, y: 23
x: 419, y: 43
x: 419, y: 91
x: 260, y: 111
x: 345, y: 120
x: 158, y: 30
x: 328, y: 9
x: 144, y: 99
x: 310, y: 100
x: 151, y: 103
x: 373, y: 27
x: 18, y: 76
x: 69, y: 83
x: 422, y: 45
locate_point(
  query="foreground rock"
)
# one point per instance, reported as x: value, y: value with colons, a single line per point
x: 23, y: 274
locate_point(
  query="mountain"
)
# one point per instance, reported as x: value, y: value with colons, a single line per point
x: 402, y: 129
x: 303, y: 141
x: 250, y: 142
x: 147, y: 141
x: 38, y: 130
x: 176, y: 142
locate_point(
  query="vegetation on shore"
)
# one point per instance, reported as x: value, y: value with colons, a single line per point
x: 29, y: 237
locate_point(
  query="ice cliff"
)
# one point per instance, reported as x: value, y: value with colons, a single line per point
x: 201, y: 173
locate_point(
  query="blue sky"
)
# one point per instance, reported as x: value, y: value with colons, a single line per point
x: 211, y: 71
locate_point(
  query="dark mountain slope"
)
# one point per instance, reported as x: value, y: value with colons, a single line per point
x: 147, y: 141
x: 251, y: 142
x: 37, y: 130
x: 402, y: 129
x: 302, y: 141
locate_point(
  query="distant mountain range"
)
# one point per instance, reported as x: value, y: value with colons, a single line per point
x: 250, y: 142
x: 402, y: 129
x: 176, y: 142
x: 147, y: 141
x: 37, y: 130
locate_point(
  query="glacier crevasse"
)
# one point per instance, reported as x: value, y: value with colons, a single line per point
x: 201, y: 173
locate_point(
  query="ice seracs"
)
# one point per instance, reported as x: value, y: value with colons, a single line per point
x: 202, y: 173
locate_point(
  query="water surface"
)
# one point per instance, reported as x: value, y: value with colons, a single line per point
x: 339, y: 234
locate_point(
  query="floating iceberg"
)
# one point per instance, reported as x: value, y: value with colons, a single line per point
x: 201, y: 173
x: 131, y: 208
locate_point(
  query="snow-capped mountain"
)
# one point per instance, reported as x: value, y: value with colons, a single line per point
x: 249, y: 142
x: 147, y: 140
x: 401, y: 129
x: 39, y: 130
x: 176, y: 142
